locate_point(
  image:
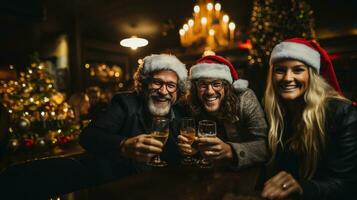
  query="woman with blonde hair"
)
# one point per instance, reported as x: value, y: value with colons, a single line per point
x: 313, y: 128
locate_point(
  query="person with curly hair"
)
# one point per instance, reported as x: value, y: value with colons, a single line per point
x: 217, y: 94
x: 312, y: 127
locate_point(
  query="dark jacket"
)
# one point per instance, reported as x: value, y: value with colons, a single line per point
x: 126, y: 116
x: 336, y: 174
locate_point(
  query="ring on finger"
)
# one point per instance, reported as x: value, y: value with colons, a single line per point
x: 284, y: 186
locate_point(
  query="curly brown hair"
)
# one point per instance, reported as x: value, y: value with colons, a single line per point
x: 228, y: 108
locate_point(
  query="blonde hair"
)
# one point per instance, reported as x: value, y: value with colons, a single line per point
x: 308, y: 139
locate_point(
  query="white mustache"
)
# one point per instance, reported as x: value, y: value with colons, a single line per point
x: 158, y: 95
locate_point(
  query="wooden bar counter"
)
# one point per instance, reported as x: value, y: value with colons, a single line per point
x: 178, y: 183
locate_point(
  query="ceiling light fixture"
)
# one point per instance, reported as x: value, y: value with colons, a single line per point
x: 134, y: 42
x: 210, y: 28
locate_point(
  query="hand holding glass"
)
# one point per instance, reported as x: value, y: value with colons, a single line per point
x: 206, y: 128
x: 160, y: 131
x: 188, y: 130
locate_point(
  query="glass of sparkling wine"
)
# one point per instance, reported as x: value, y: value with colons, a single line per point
x: 160, y: 131
x: 188, y: 130
x: 206, y: 128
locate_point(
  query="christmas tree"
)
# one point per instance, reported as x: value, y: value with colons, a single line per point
x: 39, y: 115
x: 273, y: 21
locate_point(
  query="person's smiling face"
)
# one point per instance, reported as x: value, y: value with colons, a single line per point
x: 162, y: 92
x: 210, y: 93
x: 290, y: 79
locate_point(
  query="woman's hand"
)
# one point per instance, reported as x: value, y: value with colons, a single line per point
x: 141, y: 148
x: 215, y: 149
x: 281, y: 186
x: 184, y: 146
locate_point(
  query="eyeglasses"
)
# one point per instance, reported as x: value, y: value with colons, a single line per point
x: 215, y: 84
x: 157, y: 84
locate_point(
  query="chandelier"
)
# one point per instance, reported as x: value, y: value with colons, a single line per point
x: 209, y: 28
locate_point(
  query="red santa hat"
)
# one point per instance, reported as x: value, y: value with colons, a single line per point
x: 213, y: 66
x: 310, y: 53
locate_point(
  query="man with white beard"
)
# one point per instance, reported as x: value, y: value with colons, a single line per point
x: 120, y: 136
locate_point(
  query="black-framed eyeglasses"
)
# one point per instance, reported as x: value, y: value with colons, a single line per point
x: 157, y: 84
x: 215, y: 84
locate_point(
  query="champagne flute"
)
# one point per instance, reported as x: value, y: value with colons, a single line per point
x: 188, y: 130
x: 206, y: 128
x: 160, y: 131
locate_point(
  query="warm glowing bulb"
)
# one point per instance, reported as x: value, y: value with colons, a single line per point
x: 209, y: 6
x: 204, y: 20
x: 87, y: 66
x: 232, y: 26
x: 191, y: 22
x: 208, y: 53
x: 217, y: 6
x: 134, y: 42
x: 185, y: 27
x: 182, y: 32
x: 211, y: 32
x: 196, y: 9
x: 226, y: 18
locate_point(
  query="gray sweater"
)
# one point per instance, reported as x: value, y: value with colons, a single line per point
x: 247, y: 131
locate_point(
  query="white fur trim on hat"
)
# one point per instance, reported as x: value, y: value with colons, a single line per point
x: 165, y: 62
x: 296, y: 51
x: 240, y: 84
x: 211, y: 70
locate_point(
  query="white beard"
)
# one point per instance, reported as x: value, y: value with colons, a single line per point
x: 158, y: 111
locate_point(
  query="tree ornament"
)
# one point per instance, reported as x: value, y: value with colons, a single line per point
x: 58, y: 98
x: 13, y: 144
x: 28, y: 143
x: 23, y: 124
x: 63, y: 139
x: 41, y: 142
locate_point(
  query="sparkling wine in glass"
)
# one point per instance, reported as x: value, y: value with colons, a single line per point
x: 160, y: 132
x: 206, y: 128
x: 188, y: 130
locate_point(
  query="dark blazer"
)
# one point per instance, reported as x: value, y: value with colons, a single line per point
x: 336, y: 174
x: 126, y: 116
